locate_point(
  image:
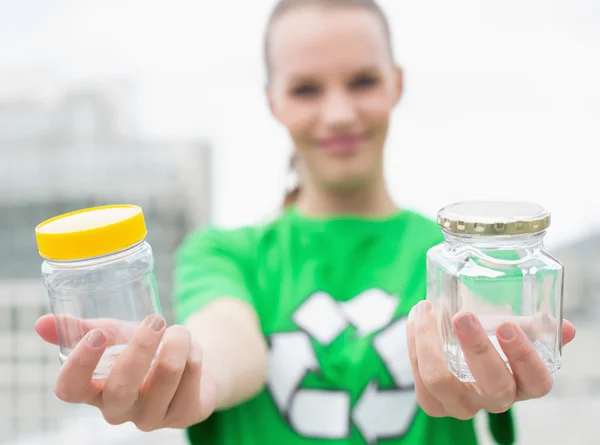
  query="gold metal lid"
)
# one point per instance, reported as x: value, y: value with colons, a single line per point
x: 493, y: 218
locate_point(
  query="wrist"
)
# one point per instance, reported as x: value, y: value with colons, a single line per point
x: 222, y: 387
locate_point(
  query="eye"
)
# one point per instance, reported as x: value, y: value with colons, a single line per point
x: 363, y: 82
x: 306, y: 90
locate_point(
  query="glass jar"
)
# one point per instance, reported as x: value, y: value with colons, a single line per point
x: 493, y: 264
x: 99, y: 273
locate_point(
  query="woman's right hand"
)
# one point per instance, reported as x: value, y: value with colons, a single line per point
x: 496, y: 387
x: 176, y: 391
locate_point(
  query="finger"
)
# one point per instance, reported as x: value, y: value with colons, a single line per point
x: 540, y: 325
x: 433, y: 368
x: 124, y: 381
x: 495, y: 382
x: 544, y: 325
x: 426, y: 401
x: 67, y: 331
x: 197, y: 389
x: 532, y: 378
x: 75, y: 383
x: 46, y: 328
x: 164, y: 377
x: 568, y: 332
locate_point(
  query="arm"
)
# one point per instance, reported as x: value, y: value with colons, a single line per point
x: 214, y: 299
x: 234, y: 349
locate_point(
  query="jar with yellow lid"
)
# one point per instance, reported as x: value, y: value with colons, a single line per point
x: 493, y: 264
x: 98, y: 269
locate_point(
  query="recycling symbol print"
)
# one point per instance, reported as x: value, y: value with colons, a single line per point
x: 328, y: 414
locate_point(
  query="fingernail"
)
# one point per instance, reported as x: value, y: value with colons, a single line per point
x: 156, y: 322
x: 506, y: 331
x: 95, y: 338
x: 466, y: 323
x: 423, y: 307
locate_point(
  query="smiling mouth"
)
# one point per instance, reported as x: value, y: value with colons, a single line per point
x: 342, y: 144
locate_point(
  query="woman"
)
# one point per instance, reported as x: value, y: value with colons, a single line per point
x: 296, y: 331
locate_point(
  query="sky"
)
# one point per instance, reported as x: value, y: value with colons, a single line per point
x: 502, y: 99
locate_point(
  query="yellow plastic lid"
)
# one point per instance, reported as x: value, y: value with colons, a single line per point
x: 90, y: 233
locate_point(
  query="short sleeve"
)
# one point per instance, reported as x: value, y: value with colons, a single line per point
x: 209, y: 264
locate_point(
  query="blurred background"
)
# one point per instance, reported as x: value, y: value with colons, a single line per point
x: 161, y: 104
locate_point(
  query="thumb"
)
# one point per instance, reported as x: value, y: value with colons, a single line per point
x: 45, y: 327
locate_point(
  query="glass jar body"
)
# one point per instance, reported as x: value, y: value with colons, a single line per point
x: 114, y: 292
x: 498, y: 279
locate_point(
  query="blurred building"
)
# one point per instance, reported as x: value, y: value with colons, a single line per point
x: 64, y: 148
x: 582, y: 281
x: 42, y: 108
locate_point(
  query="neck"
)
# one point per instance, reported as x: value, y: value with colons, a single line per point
x: 368, y: 200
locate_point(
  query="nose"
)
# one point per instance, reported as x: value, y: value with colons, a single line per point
x: 338, y: 110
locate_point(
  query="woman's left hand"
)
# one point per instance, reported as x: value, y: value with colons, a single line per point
x: 496, y: 389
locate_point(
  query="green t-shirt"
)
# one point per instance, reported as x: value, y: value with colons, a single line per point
x: 332, y: 296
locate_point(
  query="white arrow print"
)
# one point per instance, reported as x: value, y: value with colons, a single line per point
x: 384, y: 414
x: 370, y: 311
x: 392, y: 347
x: 323, y: 414
x: 321, y: 317
x: 291, y: 357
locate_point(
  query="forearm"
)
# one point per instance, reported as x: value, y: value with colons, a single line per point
x: 234, y: 349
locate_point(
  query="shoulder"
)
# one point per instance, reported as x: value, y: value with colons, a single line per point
x: 423, y: 229
x: 241, y: 240
x: 215, y: 236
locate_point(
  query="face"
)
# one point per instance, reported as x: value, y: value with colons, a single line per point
x: 333, y: 86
